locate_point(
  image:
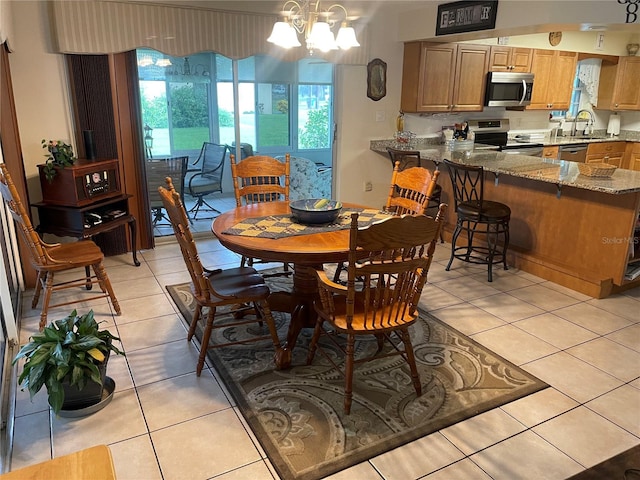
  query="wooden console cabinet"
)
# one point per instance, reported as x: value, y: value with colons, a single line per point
x: 85, y: 200
x: 82, y: 183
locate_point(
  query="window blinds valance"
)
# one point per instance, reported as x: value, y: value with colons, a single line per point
x: 103, y: 27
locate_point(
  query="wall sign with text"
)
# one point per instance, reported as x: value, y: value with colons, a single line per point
x: 466, y: 16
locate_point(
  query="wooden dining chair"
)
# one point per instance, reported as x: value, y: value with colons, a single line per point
x: 390, y: 259
x: 257, y: 179
x: 239, y: 288
x: 409, y: 193
x: 260, y: 178
x: 48, y: 259
x: 412, y: 158
x: 411, y: 190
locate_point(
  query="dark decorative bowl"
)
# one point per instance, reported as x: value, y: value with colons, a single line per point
x: 315, y: 210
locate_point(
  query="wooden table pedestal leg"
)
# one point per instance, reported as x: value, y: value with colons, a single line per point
x: 299, y: 303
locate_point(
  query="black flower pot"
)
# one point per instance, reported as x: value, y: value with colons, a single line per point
x: 91, y: 394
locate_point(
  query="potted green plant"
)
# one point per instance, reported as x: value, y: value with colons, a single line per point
x: 68, y: 357
x: 60, y: 154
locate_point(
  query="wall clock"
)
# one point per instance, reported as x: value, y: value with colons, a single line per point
x: 554, y: 38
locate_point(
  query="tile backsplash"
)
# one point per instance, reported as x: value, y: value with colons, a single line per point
x: 430, y: 125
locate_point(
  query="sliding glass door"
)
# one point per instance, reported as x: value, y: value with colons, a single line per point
x: 282, y: 106
x: 256, y: 105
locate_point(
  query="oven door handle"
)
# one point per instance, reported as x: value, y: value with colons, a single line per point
x: 530, y: 152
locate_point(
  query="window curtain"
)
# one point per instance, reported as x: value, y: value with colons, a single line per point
x: 105, y: 26
x: 589, y: 75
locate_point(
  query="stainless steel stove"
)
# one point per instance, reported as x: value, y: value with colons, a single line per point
x: 496, y: 132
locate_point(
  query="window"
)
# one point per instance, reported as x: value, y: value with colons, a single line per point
x: 282, y: 106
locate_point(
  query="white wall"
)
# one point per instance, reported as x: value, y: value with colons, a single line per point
x: 356, y: 114
x: 523, y: 17
x: 40, y: 87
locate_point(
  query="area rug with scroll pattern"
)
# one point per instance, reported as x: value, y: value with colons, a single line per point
x: 297, y: 413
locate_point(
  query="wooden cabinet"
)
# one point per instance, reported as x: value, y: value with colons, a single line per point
x: 618, y: 88
x: 632, y: 156
x: 606, y: 152
x: 82, y: 183
x: 551, y: 152
x: 445, y: 77
x: 554, y: 72
x: 510, y: 59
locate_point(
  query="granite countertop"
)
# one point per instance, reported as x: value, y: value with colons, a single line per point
x: 558, y: 172
x: 598, y: 136
x: 548, y: 141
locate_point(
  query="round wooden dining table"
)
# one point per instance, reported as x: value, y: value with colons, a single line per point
x: 305, y: 252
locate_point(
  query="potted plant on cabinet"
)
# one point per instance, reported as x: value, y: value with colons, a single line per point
x: 69, y: 357
x: 60, y: 154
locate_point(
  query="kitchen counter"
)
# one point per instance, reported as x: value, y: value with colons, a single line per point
x: 558, y: 172
x: 565, y: 227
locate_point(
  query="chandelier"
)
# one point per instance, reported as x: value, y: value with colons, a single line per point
x: 308, y: 18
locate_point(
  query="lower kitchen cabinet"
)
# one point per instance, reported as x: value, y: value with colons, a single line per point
x: 632, y: 160
x: 607, y: 152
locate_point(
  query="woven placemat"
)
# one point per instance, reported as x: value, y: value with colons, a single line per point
x: 279, y: 226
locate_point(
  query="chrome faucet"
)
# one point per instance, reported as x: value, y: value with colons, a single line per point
x: 590, y: 121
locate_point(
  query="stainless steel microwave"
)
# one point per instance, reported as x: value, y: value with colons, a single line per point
x: 508, y: 89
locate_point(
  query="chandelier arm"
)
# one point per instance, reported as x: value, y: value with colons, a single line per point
x: 295, y: 4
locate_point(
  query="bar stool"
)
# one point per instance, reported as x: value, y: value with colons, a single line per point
x: 411, y: 158
x: 477, y: 215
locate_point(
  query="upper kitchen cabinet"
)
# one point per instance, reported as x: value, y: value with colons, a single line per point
x: 444, y: 77
x: 510, y: 59
x: 618, y: 89
x: 554, y: 72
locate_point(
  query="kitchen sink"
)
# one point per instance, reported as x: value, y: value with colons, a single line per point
x: 593, y: 136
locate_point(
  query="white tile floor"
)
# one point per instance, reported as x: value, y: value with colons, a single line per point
x: 166, y: 423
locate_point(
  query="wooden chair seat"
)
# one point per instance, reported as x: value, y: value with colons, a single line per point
x: 94, y: 463
x: 81, y: 254
x: 398, y: 317
x: 238, y: 282
x: 49, y: 259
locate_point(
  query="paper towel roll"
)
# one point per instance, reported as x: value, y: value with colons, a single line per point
x: 613, y: 127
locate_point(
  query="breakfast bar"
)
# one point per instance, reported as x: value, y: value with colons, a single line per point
x: 578, y: 231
